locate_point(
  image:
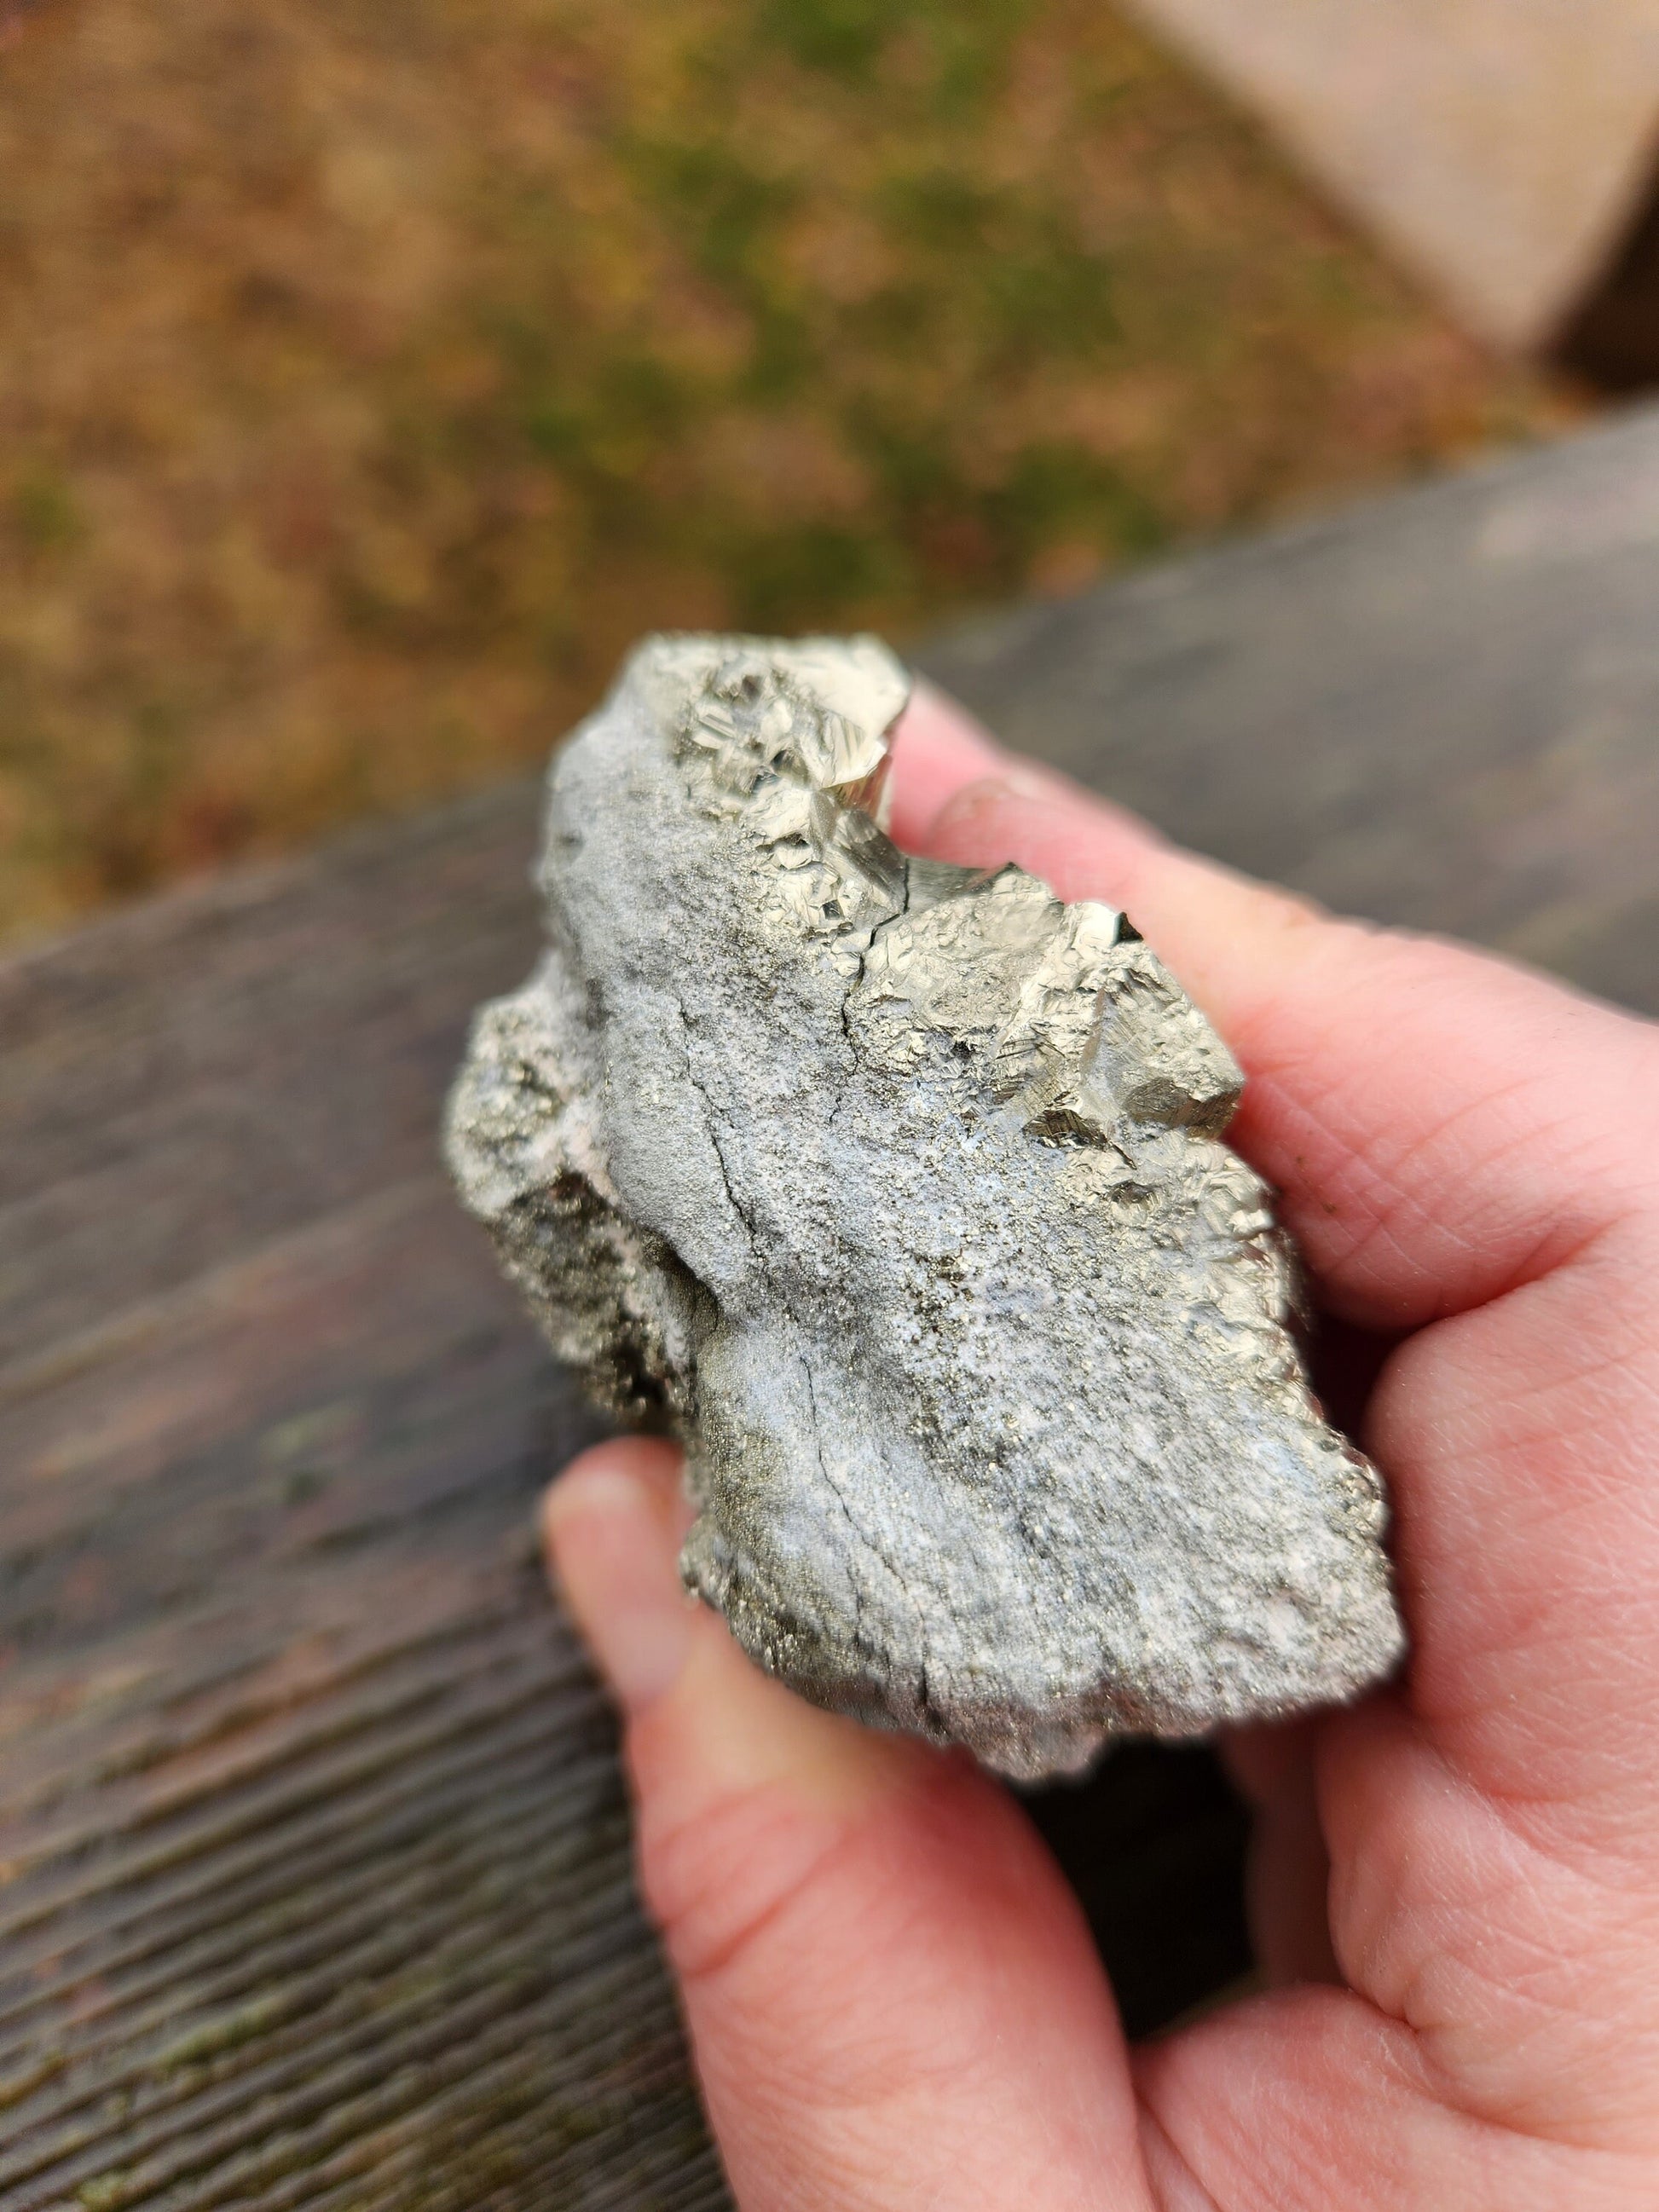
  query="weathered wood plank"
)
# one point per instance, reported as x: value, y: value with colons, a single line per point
x: 313, y: 1874
x: 316, y: 1883
x: 221, y: 1065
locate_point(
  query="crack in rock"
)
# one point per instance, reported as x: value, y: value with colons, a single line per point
x: 829, y: 1159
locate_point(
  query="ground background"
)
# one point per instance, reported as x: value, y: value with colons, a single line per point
x: 371, y: 371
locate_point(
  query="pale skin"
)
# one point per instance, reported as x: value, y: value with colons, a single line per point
x: 893, y: 2000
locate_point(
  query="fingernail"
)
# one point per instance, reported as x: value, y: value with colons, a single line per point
x: 975, y: 825
x: 615, y: 1555
x: 983, y: 796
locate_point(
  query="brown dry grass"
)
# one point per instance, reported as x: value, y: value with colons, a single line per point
x: 371, y: 371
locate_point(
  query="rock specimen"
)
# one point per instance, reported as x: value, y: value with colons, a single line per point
x: 896, y: 1190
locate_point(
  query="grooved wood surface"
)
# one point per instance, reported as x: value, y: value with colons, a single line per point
x: 314, y: 1883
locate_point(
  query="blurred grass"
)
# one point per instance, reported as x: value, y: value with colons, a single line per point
x: 370, y: 372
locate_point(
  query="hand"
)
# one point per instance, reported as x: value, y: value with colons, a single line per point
x: 893, y: 1998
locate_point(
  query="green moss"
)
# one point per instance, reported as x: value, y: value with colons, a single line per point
x: 217, y: 2038
x: 965, y: 41
x: 45, y: 511
x: 105, y: 2192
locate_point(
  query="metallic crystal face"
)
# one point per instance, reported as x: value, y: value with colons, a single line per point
x: 897, y: 1191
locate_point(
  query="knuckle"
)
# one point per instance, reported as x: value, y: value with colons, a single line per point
x: 720, y: 1882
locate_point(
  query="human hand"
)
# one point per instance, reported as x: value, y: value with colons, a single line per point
x: 893, y: 1998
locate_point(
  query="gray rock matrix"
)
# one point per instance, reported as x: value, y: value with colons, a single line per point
x: 895, y: 1190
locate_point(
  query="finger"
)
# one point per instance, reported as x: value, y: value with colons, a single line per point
x: 938, y: 746
x: 1310, y: 2099
x: 1445, y: 1130
x: 1442, y: 1127
x: 891, y: 1994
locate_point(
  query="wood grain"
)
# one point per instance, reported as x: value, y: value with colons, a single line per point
x: 314, y: 1884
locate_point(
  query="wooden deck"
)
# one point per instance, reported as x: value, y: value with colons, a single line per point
x: 314, y: 1887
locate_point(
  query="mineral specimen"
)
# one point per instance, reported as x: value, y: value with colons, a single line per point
x: 897, y: 1191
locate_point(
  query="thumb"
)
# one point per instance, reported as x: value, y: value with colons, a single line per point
x: 891, y: 1994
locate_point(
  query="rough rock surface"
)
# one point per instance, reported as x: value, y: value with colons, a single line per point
x: 896, y: 1190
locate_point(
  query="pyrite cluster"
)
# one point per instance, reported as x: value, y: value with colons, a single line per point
x: 897, y: 1191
